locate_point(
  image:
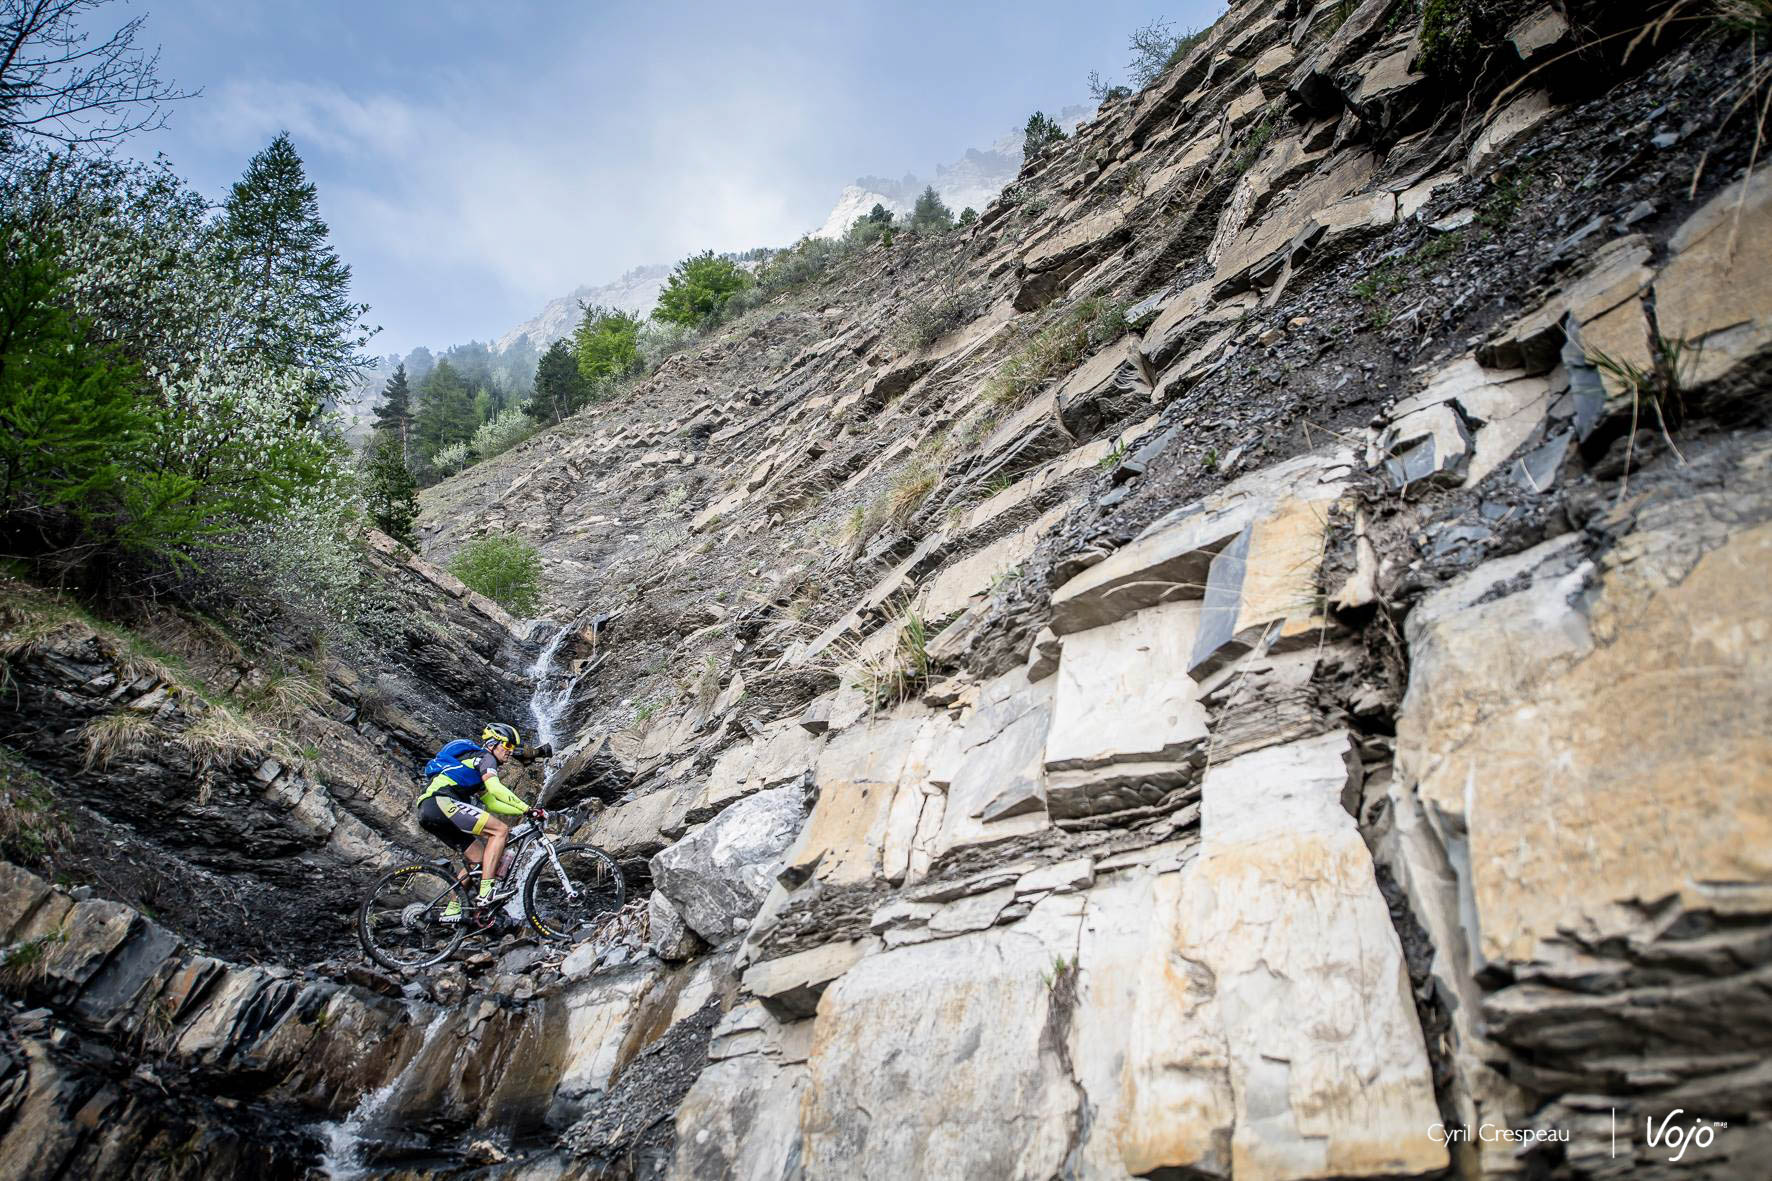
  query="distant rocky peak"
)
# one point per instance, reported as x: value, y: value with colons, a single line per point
x: 974, y: 179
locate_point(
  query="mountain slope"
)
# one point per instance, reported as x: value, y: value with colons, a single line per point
x: 1244, y: 662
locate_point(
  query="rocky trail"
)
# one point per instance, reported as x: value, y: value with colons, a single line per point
x: 1247, y: 662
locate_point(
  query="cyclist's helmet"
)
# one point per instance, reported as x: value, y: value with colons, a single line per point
x: 499, y: 732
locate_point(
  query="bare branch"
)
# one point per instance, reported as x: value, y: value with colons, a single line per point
x: 63, y: 84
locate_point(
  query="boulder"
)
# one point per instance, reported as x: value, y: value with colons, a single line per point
x: 717, y: 876
x: 668, y: 936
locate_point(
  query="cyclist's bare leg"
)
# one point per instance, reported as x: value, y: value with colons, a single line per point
x: 473, y: 854
x: 495, y: 833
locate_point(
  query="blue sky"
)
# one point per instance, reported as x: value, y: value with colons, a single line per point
x: 475, y: 160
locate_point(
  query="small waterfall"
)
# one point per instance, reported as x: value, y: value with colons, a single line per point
x: 343, y: 1158
x: 553, y: 692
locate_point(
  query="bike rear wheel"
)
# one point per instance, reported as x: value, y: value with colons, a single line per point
x: 401, y: 920
x: 571, y: 909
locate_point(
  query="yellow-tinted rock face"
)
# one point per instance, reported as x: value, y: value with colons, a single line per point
x: 1603, y: 761
x: 1715, y: 296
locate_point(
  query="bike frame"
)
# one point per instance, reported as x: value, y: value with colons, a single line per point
x: 521, y: 836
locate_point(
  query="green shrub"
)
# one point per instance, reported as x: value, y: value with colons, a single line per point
x: 799, y: 264
x: 606, y: 344
x: 968, y: 215
x: 451, y: 459
x: 660, y: 339
x: 926, y: 321
x: 1155, y: 48
x: 698, y: 289
x: 1453, y: 33
x: 505, y: 569
x: 872, y: 226
x: 131, y: 424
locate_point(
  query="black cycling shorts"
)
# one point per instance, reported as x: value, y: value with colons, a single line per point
x: 453, y: 822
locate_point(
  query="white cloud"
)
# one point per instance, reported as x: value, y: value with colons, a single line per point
x: 244, y: 114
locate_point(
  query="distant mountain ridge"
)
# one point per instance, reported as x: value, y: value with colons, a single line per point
x: 636, y: 292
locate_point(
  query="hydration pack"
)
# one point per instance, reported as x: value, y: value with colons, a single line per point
x: 448, y: 762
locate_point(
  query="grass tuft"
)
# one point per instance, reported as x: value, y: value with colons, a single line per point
x: 222, y: 736
x: 110, y: 735
x: 1056, y: 348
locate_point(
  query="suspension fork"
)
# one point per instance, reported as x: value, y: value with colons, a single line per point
x: 559, y: 871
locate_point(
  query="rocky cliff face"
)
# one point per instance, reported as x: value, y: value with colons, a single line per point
x: 1249, y: 662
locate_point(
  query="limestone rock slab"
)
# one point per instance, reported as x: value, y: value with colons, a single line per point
x: 1123, y: 693
x: 1325, y: 1050
x: 790, y: 985
x: 950, y: 1038
x: 1596, y: 758
x: 998, y: 790
x: 1715, y: 295
x: 1262, y: 588
x: 718, y: 875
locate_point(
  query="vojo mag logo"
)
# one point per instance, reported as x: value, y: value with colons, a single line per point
x: 1677, y: 1134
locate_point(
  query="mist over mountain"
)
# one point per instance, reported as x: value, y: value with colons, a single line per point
x: 505, y: 366
x: 974, y: 179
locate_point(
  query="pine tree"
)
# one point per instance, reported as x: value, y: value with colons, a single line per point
x: 391, y: 491
x: 394, y: 416
x: 298, y: 309
x: 446, y: 412
x: 931, y: 214
x: 559, y: 386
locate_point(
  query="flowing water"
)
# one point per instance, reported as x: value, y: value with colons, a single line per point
x: 553, y: 692
x: 343, y: 1158
x: 548, y: 704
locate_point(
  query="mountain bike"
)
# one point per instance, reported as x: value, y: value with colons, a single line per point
x: 566, y: 889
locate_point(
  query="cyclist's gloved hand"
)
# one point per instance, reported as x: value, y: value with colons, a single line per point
x: 537, y: 814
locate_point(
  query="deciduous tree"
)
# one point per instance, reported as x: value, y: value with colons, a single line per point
x: 698, y: 289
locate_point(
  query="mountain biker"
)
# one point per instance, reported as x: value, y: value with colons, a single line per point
x: 467, y: 807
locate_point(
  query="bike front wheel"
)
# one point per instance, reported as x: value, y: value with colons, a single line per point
x: 569, y: 901
x: 405, y: 921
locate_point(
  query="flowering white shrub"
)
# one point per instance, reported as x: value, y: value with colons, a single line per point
x: 238, y: 468
x: 451, y: 459
x: 509, y: 428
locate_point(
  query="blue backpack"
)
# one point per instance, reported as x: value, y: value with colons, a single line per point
x: 448, y: 762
